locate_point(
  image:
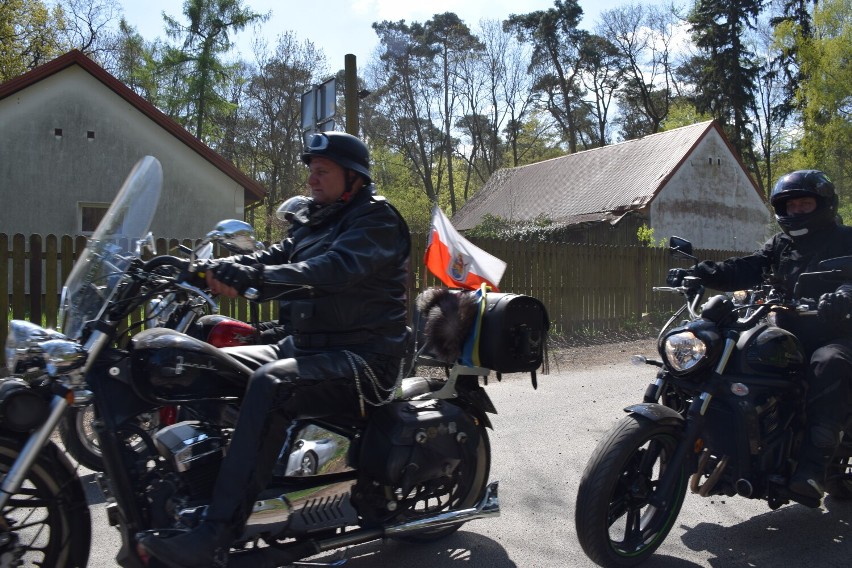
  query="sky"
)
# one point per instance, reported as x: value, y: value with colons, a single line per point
x: 340, y: 27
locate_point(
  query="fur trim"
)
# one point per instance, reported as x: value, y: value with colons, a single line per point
x: 449, y: 316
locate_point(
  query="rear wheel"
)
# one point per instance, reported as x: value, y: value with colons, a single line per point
x: 615, y: 522
x: 48, y: 517
x: 463, y: 489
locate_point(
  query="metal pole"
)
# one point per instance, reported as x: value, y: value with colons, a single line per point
x: 350, y: 95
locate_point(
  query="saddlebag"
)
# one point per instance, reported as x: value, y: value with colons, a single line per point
x: 507, y: 333
x: 410, y: 442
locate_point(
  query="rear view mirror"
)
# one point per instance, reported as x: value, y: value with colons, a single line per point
x: 235, y: 235
x: 681, y: 247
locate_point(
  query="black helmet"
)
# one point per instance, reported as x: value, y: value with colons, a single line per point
x: 342, y: 148
x: 804, y: 183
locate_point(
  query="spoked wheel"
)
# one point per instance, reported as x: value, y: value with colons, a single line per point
x: 48, y: 517
x: 616, y: 525
x: 78, y: 436
x: 462, y: 490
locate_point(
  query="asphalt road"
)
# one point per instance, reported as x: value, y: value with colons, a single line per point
x: 540, y: 444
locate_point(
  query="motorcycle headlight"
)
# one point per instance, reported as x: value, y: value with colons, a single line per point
x: 24, y: 351
x: 683, y: 351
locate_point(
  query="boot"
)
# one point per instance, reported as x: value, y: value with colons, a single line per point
x: 205, y: 546
x: 260, y: 433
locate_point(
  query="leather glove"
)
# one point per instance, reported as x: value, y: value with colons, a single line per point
x: 241, y: 277
x: 676, y: 276
x: 834, y: 308
x: 194, y: 273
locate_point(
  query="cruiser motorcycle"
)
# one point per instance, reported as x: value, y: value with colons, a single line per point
x: 724, y: 416
x: 414, y: 469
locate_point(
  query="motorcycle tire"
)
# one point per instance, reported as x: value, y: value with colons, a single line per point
x: 463, y: 490
x: 616, y: 525
x: 79, y: 440
x: 48, y: 517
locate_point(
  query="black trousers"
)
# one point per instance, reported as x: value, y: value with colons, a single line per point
x: 287, y: 383
x: 828, y: 398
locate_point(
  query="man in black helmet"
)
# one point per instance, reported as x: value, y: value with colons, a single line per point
x: 343, y: 271
x: 805, y: 206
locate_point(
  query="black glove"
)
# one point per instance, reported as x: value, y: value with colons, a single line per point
x: 676, y: 276
x: 834, y: 307
x: 194, y: 273
x: 239, y: 276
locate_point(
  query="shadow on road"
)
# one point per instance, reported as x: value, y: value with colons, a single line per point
x: 822, y: 536
x: 462, y: 548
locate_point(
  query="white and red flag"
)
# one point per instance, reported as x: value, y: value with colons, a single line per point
x: 457, y: 262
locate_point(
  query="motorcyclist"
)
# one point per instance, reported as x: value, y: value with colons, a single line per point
x: 805, y: 204
x: 348, y: 249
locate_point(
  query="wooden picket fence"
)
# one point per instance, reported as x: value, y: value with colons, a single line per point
x: 585, y: 288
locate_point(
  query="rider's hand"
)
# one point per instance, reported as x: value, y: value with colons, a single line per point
x: 231, y: 279
x: 834, y: 307
x: 676, y: 276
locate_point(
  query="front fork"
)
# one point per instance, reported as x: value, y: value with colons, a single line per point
x: 25, y: 460
x: 695, y: 418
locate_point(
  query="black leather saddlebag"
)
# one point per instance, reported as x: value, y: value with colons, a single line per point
x: 503, y: 332
x: 513, y: 333
x: 410, y: 442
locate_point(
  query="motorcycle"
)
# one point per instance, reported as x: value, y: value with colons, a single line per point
x: 414, y: 469
x: 181, y: 310
x: 724, y: 416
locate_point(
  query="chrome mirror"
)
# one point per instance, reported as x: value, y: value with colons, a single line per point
x: 235, y: 235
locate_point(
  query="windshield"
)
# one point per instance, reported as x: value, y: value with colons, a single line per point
x: 113, y: 246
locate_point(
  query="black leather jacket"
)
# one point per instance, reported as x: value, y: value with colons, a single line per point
x: 780, y: 262
x: 352, y: 266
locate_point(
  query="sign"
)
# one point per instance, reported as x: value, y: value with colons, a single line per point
x: 318, y: 107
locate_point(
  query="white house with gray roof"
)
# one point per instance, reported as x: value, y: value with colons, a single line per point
x: 687, y: 182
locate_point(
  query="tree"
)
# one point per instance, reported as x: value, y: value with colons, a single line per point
x: 826, y: 60
x: 725, y: 69
x: 406, y: 88
x: 87, y: 25
x: 644, y: 36
x: 453, y: 43
x: 556, y: 59
x: 28, y: 36
x: 603, y: 75
x: 197, y: 63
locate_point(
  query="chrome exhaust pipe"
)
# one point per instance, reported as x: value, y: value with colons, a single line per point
x: 489, y: 506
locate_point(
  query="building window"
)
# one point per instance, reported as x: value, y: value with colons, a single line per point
x: 57, y: 132
x: 90, y: 215
x: 90, y: 134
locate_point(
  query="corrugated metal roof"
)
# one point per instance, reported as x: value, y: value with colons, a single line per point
x: 612, y: 179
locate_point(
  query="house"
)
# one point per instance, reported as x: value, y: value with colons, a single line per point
x: 687, y: 182
x: 70, y: 133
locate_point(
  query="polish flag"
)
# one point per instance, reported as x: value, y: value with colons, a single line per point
x: 457, y: 262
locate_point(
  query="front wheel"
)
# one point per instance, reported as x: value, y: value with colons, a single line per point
x: 77, y: 432
x: 616, y: 525
x: 46, y: 522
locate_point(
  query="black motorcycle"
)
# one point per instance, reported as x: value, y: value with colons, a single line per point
x: 725, y: 416
x: 414, y: 469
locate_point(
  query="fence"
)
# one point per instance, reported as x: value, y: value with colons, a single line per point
x: 586, y: 288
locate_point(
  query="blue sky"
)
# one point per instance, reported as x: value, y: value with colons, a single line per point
x: 339, y: 27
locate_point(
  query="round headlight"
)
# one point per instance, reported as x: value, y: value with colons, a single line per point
x: 683, y: 351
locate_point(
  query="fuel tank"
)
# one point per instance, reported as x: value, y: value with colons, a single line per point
x: 169, y: 366
x: 769, y: 351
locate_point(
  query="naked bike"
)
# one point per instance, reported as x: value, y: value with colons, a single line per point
x: 413, y: 469
x: 724, y: 416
